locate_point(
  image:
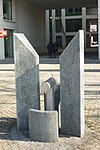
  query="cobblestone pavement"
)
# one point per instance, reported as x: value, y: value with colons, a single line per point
x: 10, y: 139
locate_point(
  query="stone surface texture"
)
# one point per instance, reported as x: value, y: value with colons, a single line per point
x: 48, y: 84
x: 14, y: 140
x: 72, y: 87
x: 27, y: 79
x: 43, y: 125
x: 47, y: 88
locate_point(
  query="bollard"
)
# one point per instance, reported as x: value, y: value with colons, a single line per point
x: 47, y: 88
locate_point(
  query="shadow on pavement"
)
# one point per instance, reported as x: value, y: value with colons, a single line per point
x: 8, y: 130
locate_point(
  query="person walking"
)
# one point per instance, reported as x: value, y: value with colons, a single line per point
x: 49, y: 47
x: 53, y: 49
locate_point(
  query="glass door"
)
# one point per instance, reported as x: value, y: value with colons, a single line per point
x: 8, y: 42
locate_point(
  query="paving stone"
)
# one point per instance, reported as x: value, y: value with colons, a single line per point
x: 91, y: 140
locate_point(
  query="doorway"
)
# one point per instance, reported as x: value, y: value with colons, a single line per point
x: 8, y: 44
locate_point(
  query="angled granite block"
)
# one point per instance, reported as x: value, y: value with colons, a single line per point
x: 72, y: 87
x: 27, y: 79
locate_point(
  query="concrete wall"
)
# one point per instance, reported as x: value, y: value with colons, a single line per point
x: 30, y: 20
x: 31, y: 23
x: 7, y: 23
x: 27, y: 19
x: 92, y: 11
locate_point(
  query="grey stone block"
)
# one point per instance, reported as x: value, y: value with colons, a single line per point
x: 27, y: 79
x: 72, y: 87
x: 43, y: 125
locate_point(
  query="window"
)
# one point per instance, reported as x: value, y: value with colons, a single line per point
x: 58, y: 26
x: 58, y: 12
x: 91, y: 25
x: 94, y: 40
x: 78, y: 10
x: 73, y: 25
x: 70, y: 10
x: 73, y: 11
x: 50, y: 13
x: 59, y: 41
x: 50, y: 28
x: 8, y: 42
x: 7, y: 9
x: 68, y: 39
x: 93, y: 28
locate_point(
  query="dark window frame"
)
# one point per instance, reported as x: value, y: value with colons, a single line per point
x: 7, y: 10
x: 73, y: 25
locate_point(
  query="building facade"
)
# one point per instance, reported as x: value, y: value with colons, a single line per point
x: 7, y: 22
x: 64, y: 23
x: 39, y: 25
x: 24, y: 17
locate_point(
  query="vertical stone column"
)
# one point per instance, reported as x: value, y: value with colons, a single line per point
x: 2, y: 52
x: 53, y: 26
x: 1, y: 12
x: 72, y: 87
x: 14, y: 10
x: 63, y: 28
x: 99, y: 29
x: 84, y: 23
x: 27, y: 79
x: 47, y: 25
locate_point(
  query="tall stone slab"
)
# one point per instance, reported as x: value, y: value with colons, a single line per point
x: 27, y: 79
x: 72, y: 87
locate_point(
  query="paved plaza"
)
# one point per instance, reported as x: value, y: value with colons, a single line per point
x: 10, y: 139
